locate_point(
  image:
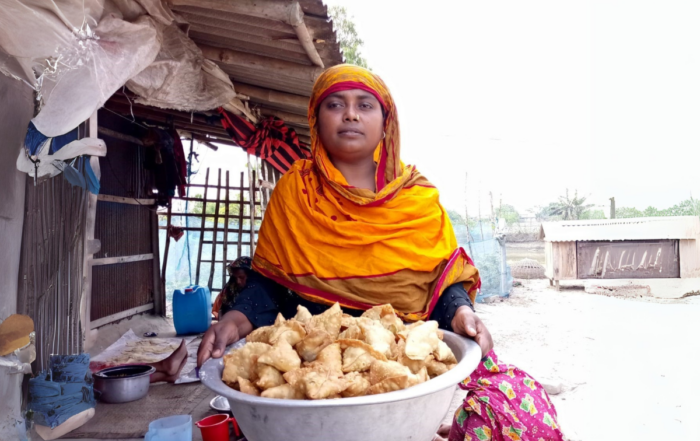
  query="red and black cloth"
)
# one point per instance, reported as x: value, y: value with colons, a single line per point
x: 270, y: 140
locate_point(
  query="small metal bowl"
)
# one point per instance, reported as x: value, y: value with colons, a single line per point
x: 122, y: 384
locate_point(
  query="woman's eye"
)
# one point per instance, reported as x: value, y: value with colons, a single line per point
x: 334, y: 105
x: 366, y: 106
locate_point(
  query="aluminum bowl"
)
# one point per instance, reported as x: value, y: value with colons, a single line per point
x: 410, y: 414
x: 122, y: 384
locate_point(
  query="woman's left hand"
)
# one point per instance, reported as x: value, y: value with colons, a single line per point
x: 466, y: 322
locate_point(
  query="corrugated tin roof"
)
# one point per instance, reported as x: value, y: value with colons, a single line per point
x: 645, y: 228
x: 281, y: 92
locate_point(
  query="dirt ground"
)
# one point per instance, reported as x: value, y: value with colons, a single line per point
x: 623, y: 365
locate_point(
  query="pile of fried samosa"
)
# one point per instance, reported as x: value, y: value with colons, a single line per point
x: 334, y: 355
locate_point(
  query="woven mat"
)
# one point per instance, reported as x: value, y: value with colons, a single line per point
x: 130, y: 420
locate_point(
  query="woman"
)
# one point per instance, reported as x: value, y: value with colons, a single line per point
x: 354, y: 225
x: 238, y: 272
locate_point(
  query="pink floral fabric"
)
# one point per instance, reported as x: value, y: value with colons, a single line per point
x: 504, y: 404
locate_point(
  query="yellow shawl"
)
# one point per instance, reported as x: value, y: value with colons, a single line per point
x: 328, y: 241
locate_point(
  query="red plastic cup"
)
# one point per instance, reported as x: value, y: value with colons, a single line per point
x: 215, y: 427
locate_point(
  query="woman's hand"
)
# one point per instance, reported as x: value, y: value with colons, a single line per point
x: 466, y: 322
x: 232, y: 327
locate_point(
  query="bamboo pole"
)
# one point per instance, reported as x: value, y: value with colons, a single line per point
x: 204, y: 217
x: 226, y: 213
x: 240, y: 217
x: 215, y: 237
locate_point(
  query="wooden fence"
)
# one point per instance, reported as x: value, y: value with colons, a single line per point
x: 227, y: 215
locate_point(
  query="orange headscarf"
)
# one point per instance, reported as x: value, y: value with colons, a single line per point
x: 329, y: 241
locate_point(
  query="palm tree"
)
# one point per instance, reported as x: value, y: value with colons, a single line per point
x: 569, y: 208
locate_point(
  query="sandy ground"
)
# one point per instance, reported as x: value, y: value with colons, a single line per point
x: 624, y: 365
x: 516, y: 251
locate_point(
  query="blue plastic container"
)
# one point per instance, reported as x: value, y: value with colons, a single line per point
x: 192, y: 310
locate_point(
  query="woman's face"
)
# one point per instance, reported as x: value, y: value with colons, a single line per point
x: 240, y: 277
x: 350, y: 125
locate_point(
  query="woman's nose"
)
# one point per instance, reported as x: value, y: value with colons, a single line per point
x: 351, y: 115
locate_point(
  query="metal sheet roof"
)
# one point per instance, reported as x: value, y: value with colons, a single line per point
x: 645, y: 228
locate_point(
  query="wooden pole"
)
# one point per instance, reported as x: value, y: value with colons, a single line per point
x: 226, y: 212
x: 286, y: 116
x: 298, y: 102
x: 215, y: 238
x: 262, y: 64
x: 493, y: 215
x: 201, y: 227
x: 481, y: 226
x: 251, y: 201
x: 167, y: 241
x: 240, y: 217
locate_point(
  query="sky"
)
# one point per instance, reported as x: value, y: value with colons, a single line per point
x: 527, y: 99
x: 530, y: 98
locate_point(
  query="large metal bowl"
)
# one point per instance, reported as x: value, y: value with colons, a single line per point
x: 410, y: 414
x: 122, y: 384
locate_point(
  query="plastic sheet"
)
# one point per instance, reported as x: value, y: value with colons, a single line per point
x: 180, y: 78
x: 487, y: 249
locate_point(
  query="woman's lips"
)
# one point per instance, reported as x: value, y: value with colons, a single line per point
x: 350, y: 133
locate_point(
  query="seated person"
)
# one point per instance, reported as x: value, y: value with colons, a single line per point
x: 238, y: 271
x: 355, y: 225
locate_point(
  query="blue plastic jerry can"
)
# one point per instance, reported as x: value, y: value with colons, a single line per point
x: 192, y: 310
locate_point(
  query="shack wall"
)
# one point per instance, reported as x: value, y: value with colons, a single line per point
x: 560, y: 260
x: 689, y: 251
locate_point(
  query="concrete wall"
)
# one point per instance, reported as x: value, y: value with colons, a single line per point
x: 16, y: 109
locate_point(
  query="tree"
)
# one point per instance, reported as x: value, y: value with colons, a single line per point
x: 688, y: 207
x: 593, y: 214
x: 349, y: 41
x: 570, y: 208
x: 509, y: 213
x: 627, y: 212
x: 455, y: 218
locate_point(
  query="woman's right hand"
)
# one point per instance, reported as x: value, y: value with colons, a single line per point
x: 218, y: 336
x: 233, y: 326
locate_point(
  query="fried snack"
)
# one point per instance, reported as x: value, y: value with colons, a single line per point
x: 303, y: 315
x: 291, y: 330
x: 392, y: 323
x: 332, y: 358
x: 414, y: 365
x: 329, y: 321
x: 320, y: 384
x: 268, y: 377
x: 346, y: 321
x: 260, y: 335
x: 444, y: 354
x: 294, y: 377
x: 353, y: 332
x: 285, y: 392
x: 308, y: 357
x: 379, y: 311
x: 247, y: 387
x: 358, y: 385
x: 377, y: 336
x: 436, y: 368
x: 389, y: 385
x: 239, y: 363
x: 281, y: 356
x: 422, y: 341
x: 313, y: 343
x: 381, y: 370
x: 358, y: 355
